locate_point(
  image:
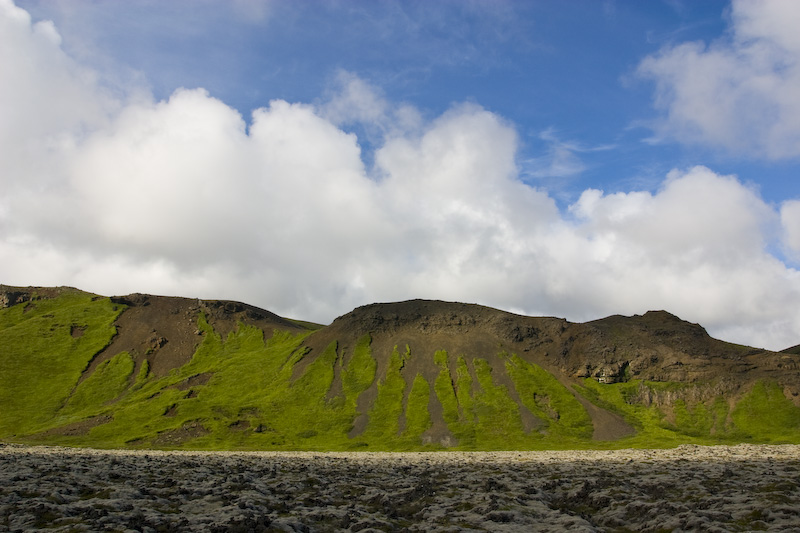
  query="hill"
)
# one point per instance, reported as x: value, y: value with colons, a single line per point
x: 163, y: 372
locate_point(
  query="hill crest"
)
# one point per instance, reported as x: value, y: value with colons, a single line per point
x: 156, y: 371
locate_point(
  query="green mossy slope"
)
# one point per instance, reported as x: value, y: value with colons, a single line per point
x: 255, y: 391
x: 45, y: 345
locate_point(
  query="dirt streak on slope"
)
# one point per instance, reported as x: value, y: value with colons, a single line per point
x: 163, y: 329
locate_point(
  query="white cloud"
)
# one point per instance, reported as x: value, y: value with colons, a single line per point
x: 740, y: 93
x: 182, y: 197
x: 560, y: 161
x: 46, y: 99
x: 790, y: 219
x: 697, y: 248
x: 354, y: 101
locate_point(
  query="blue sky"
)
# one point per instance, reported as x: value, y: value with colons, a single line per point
x: 565, y: 71
x: 576, y: 159
x: 561, y: 72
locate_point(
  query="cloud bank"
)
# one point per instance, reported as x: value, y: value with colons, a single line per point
x: 738, y: 93
x: 117, y: 194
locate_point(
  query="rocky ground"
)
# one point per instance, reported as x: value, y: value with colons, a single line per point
x: 739, y: 488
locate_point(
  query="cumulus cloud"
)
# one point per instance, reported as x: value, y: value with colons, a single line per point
x: 46, y: 99
x: 700, y: 232
x: 790, y: 218
x: 740, y: 93
x: 353, y: 101
x: 185, y: 196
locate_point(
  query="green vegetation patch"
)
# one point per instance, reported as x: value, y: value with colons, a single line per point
x: 456, y: 399
x: 46, y: 345
x: 245, y: 370
x: 105, y: 384
x: 623, y: 398
x: 767, y: 415
x: 384, y: 418
x: 286, y: 414
x: 464, y: 390
x: 696, y: 421
x: 418, y: 418
x: 445, y: 390
x: 360, y: 371
x: 246, y: 391
x: 144, y: 373
x: 549, y: 400
x: 498, y: 424
x: 762, y: 415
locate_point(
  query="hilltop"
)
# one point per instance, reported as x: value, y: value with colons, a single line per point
x: 165, y: 372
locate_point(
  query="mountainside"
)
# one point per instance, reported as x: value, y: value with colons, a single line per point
x: 163, y: 372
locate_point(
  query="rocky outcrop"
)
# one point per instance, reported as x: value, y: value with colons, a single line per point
x: 656, y: 346
x: 9, y: 297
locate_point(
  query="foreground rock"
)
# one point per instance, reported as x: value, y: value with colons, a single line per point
x: 740, y: 488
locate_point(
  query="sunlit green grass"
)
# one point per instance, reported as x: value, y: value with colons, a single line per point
x: 696, y: 421
x: 250, y: 402
x: 384, y: 417
x: 762, y: 415
x: 269, y: 392
x: 41, y: 361
x: 549, y: 400
x: 648, y: 421
x: 418, y: 418
x: 766, y: 414
x: 360, y: 372
x: 445, y: 392
x: 498, y: 424
x: 106, y: 383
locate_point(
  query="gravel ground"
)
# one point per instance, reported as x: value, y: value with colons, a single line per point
x: 690, y: 488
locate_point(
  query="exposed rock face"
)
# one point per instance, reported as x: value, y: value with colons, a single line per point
x: 16, y: 295
x: 163, y: 329
x: 656, y: 346
x: 427, y: 326
x: 659, y: 346
x: 11, y: 297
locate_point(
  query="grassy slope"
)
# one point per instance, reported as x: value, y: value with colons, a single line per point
x: 384, y: 416
x: 251, y: 400
x: 762, y: 414
x: 40, y: 359
x: 549, y: 400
